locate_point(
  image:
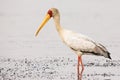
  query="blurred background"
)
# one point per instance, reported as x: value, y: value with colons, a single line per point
x: 19, y: 19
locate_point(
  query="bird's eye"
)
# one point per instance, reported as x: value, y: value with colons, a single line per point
x: 50, y: 13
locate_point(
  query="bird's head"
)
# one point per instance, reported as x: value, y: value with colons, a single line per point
x: 51, y: 13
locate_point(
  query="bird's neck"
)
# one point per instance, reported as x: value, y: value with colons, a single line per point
x: 60, y: 30
x: 57, y: 23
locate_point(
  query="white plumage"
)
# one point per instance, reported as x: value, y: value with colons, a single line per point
x: 79, y: 43
x: 82, y: 45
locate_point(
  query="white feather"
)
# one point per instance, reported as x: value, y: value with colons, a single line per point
x: 77, y: 41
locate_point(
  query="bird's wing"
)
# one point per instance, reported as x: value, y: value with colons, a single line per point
x: 102, y: 47
x: 84, y: 44
x: 79, y: 42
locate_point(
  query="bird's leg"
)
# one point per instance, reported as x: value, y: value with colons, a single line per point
x: 81, y: 66
x: 78, y: 68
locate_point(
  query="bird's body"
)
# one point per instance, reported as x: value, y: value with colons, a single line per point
x: 77, y: 42
x: 80, y: 44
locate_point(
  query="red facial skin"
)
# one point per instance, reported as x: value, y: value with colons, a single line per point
x: 50, y: 13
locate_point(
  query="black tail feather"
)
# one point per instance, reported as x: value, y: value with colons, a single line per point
x: 109, y: 55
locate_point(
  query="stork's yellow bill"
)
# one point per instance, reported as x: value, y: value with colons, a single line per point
x: 47, y: 17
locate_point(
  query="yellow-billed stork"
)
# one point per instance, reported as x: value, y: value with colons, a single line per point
x: 79, y: 43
